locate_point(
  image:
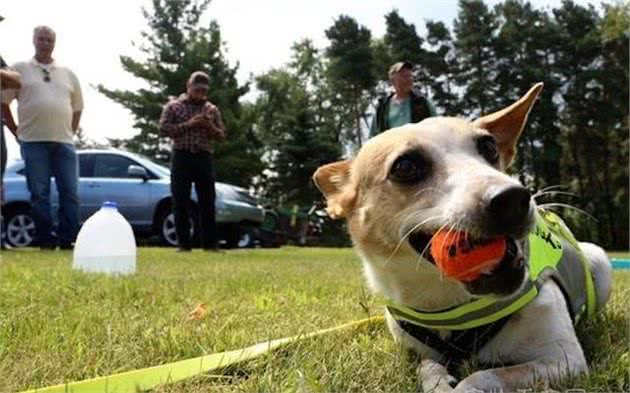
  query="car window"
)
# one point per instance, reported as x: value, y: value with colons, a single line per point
x: 109, y: 165
x: 154, y: 166
x: 85, y: 165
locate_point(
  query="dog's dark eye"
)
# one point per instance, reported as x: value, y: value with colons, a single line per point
x: 487, y: 147
x: 409, y: 168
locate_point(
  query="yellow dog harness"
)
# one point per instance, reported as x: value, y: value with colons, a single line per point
x: 553, y: 253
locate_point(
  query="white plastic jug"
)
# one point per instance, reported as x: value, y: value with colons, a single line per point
x: 105, y: 243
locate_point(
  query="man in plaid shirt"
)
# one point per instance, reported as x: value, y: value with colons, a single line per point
x: 194, y: 124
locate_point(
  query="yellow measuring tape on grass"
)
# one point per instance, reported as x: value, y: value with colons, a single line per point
x: 148, y: 378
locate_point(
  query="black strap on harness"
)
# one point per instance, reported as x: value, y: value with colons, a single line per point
x: 461, y: 345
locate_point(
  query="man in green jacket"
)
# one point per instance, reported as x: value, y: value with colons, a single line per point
x: 404, y: 105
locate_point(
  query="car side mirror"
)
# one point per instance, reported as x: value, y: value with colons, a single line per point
x: 137, y: 172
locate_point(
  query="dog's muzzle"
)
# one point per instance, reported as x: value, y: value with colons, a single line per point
x: 503, y: 280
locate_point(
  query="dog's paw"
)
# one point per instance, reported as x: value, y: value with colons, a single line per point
x: 481, y: 382
x: 434, y: 378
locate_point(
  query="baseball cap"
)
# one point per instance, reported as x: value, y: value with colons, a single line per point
x: 199, y: 78
x: 399, y: 66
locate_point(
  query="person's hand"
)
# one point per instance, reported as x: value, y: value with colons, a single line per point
x: 216, y: 134
x: 212, y: 111
x: 199, y: 120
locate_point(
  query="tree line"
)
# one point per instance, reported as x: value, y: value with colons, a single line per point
x: 317, y: 107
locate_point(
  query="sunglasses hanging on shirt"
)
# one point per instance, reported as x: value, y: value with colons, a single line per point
x: 46, y: 74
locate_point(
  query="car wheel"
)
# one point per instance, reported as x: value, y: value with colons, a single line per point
x: 270, y: 221
x: 246, y: 240
x: 168, y: 234
x: 20, y: 227
x: 233, y: 235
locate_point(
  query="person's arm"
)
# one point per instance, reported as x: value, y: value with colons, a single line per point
x: 76, y: 101
x: 168, y: 127
x: 10, y: 80
x: 8, y: 119
x: 217, y: 128
x: 171, y: 128
x: 7, y: 96
x: 76, y: 117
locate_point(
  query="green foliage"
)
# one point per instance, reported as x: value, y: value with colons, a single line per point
x: 382, y: 61
x: 475, y: 29
x: 293, y: 123
x: 592, y: 62
x: 301, y: 131
x: 351, y: 75
x: 525, y: 47
x: 174, y: 46
x: 83, y: 142
x: 441, y: 65
x: 401, y: 38
x: 576, y: 139
x: 405, y: 44
x: 349, y: 51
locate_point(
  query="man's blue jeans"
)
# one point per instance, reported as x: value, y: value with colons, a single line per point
x: 43, y: 160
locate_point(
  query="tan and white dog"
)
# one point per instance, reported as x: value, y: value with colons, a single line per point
x: 448, y: 173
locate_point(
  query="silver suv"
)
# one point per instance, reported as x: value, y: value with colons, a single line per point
x: 141, y: 188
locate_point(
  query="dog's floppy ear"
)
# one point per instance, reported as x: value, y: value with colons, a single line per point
x: 507, y: 124
x: 333, y: 180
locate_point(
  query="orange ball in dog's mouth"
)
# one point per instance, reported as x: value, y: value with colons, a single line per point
x: 462, y: 258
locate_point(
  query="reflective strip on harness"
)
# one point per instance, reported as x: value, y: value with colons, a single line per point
x: 494, y: 312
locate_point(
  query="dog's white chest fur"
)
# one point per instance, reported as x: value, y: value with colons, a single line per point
x: 416, y: 285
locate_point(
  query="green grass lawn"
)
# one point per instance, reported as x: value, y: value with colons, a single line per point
x: 619, y: 254
x: 57, y: 325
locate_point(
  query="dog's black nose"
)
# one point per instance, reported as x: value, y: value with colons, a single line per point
x: 508, y: 208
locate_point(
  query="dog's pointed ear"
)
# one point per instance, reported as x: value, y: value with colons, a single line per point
x: 333, y: 180
x: 507, y: 124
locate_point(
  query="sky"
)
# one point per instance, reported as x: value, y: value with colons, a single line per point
x: 91, y: 35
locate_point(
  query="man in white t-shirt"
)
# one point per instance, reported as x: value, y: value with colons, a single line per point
x: 49, y: 109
